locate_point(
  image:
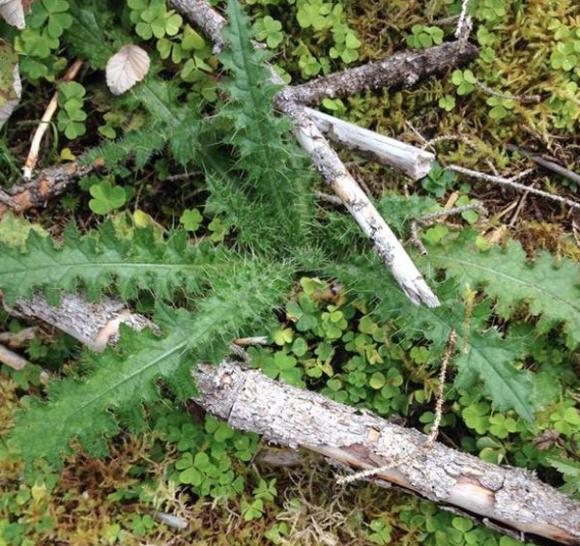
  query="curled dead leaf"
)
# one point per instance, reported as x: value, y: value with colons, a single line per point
x: 12, y: 11
x: 127, y: 67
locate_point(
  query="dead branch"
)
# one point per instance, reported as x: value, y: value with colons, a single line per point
x: 202, y: 14
x: 403, y: 68
x: 414, y: 162
x: 524, y: 99
x: 336, y: 175
x: 433, y: 216
x: 290, y: 416
x: 510, y: 497
x: 11, y: 359
x: 93, y: 324
x: 17, y: 340
x: 547, y: 164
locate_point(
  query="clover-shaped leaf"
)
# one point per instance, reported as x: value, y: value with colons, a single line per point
x: 191, y: 219
x: 106, y: 197
x: 269, y: 29
x: 464, y: 80
x: 423, y: 36
x: 447, y: 102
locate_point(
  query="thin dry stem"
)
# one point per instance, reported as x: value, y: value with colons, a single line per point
x: 32, y: 158
x: 431, y: 217
x: 520, y: 98
x: 510, y: 182
x: 416, y: 239
x: 16, y: 340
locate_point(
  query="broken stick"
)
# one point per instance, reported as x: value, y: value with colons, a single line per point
x: 32, y: 158
x: 414, y: 162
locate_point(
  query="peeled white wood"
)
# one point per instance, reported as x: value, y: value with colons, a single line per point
x: 336, y: 175
x: 414, y: 162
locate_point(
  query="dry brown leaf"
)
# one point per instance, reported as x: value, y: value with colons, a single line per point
x: 127, y: 67
x: 12, y: 11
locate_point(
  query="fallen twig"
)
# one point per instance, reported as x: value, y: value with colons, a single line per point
x: 414, y: 162
x: 432, y: 216
x: 336, y: 175
x: 32, y: 158
x: 403, y: 68
x: 249, y: 341
x: 510, y: 182
x: 327, y: 198
x: 171, y: 521
x: 415, y: 239
x: 464, y: 23
x: 16, y: 340
x: 547, y: 164
x: 520, y: 98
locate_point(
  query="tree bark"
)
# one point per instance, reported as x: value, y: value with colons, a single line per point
x: 511, y: 497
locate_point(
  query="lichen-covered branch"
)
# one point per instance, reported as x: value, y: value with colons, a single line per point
x: 202, y: 14
x: 294, y: 417
x: 403, y: 68
x: 286, y: 415
x: 93, y: 324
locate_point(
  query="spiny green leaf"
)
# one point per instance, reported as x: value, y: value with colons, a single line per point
x: 98, y: 262
x: 486, y: 357
x: 489, y: 358
x: 119, y: 382
x: 551, y: 291
x: 276, y: 184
